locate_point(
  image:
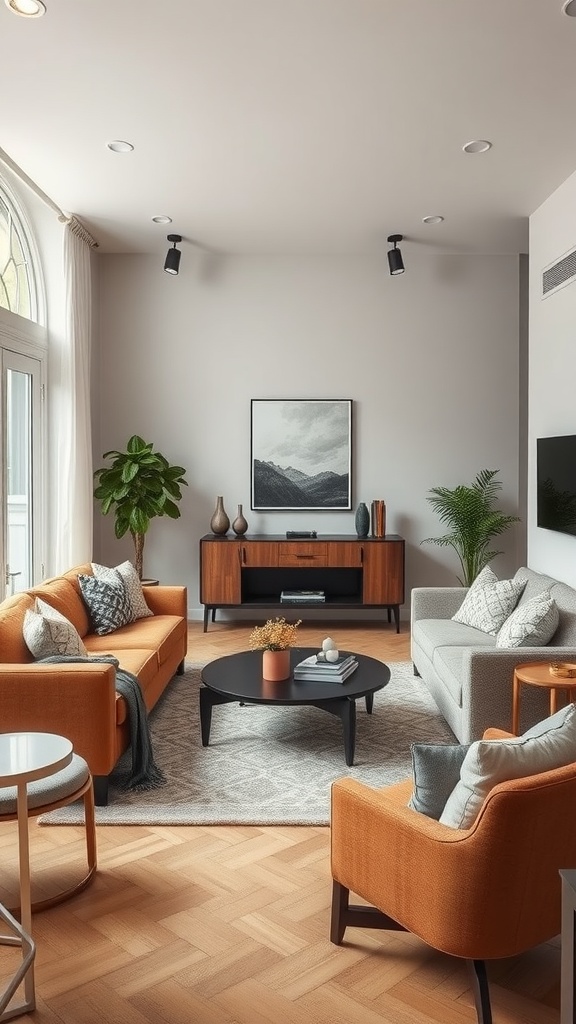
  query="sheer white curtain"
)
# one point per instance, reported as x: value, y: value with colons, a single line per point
x: 70, y: 398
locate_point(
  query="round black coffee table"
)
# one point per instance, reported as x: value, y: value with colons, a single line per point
x: 238, y: 677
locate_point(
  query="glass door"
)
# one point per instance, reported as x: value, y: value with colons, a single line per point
x: 20, y: 436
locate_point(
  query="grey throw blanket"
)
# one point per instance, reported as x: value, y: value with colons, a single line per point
x: 145, y: 772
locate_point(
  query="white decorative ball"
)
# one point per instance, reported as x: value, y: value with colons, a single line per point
x: 332, y: 655
x: 320, y: 656
x: 328, y: 644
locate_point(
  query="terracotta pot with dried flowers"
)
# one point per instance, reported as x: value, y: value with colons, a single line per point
x: 274, y: 639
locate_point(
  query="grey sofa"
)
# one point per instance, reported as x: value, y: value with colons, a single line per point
x: 468, y: 676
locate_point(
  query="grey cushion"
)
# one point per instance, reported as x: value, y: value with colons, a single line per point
x: 47, y: 791
x: 531, y: 624
x: 107, y: 603
x: 47, y: 632
x: 132, y: 586
x: 436, y: 770
x: 489, y: 602
x: 433, y: 633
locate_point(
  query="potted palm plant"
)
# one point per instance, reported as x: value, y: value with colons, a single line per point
x: 473, y: 520
x: 139, y: 485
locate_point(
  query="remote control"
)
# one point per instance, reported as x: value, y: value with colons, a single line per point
x: 300, y: 534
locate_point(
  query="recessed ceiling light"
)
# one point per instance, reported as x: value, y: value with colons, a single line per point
x: 433, y: 219
x: 163, y: 219
x: 117, y: 146
x: 569, y: 8
x: 477, y: 146
x: 27, y: 8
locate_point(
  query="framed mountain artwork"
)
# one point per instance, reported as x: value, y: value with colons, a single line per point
x: 301, y: 454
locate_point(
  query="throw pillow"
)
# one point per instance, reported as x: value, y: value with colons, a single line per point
x: 532, y: 624
x: 132, y: 586
x: 436, y: 770
x: 107, y: 603
x: 489, y: 602
x: 489, y: 762
x: 47, y: 632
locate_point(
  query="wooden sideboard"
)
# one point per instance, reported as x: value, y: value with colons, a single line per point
x: 251, y: 571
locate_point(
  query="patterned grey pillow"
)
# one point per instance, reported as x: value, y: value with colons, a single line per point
x: 532, y: 624
x: 132, y: 585
x: 489, y: 602
x: 107, y: 603
x: 47, y: 632
x: 436, y: 770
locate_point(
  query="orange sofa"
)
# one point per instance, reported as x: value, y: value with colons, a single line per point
x: 79, y: 701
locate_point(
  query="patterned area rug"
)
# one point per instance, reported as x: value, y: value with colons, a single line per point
x: 265, y: 765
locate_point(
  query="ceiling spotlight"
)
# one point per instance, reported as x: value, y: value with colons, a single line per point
x: 477, y: 146
x: 172, y: 261
x: 395, y: 260
x: 162, y: 219
x: 119, y: 146
x: 433, y: 219
x: 569, y: 8
x: 27, y: 8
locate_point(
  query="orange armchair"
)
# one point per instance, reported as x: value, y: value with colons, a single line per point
x: 489, y: 891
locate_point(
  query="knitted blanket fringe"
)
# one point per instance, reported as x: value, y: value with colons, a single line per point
x: 145, y: 773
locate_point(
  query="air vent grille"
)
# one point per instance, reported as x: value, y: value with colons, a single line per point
x: 558, y: 274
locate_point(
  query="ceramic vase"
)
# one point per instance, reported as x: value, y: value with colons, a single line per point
x: 220, y: 523
x: 276, y: 665
x: 239, y: 525
x: 362, y: 520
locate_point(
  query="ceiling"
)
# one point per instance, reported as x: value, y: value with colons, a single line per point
x: 294, y: 126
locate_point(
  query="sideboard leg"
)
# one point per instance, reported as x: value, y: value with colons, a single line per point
x: 206, y: 614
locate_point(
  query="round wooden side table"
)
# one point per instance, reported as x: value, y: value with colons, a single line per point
x: 537, y: 673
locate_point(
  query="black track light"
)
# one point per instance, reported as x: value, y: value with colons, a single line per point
x: 395, y: 261
x: 172, y: 262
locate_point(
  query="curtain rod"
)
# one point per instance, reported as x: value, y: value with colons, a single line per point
x: 64, y: 218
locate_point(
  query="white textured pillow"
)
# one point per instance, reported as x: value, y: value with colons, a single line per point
x: 47, y: 632
x: 489, y: 602
x: 532, y: 624
x: 489, y: 762
x: 132, y: 586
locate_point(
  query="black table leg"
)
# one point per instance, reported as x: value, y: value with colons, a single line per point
x: 205, y: 715
x: 345, y: 710
x: 369, y: 702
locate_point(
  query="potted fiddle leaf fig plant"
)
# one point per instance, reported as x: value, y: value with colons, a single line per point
x: 472, y: 520
x: 138, y: 486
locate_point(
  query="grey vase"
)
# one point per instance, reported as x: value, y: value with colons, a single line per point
x: 362, y: 520
x: 239, y: 525
x: 220, y: 523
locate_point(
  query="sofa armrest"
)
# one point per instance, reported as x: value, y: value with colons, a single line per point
x: 167, y: 600
x: 73, y: 700
x: 436, y: 602
x: 487, y: 678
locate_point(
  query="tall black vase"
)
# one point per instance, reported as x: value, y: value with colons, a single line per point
x: 362, y: 520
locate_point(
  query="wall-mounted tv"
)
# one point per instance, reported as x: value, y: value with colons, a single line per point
x: 556, y: 483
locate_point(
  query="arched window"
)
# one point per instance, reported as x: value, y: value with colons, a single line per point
x: 17, y: 280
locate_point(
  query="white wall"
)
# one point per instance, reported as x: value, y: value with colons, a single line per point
x: 430, y: 358
x: 552, y: 367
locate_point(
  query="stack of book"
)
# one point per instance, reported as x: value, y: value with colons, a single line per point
x: 378, y: 518
x: 302, y: 597
x: 312, y: 670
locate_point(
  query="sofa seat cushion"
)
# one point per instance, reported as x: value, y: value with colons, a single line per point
x: 432, y: 633
x: 13, y: 649
x: 158, y: 633
x: 65, y: 598
x: 447, y: 662
x: 143, y: 664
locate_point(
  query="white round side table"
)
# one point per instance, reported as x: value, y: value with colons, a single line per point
x: 26, y: 757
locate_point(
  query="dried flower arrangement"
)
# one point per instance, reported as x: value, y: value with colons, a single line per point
x: 275, y: 635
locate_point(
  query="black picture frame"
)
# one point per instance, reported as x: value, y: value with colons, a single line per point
x: 301, y: 454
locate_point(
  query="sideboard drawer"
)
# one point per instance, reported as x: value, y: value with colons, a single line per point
x: 302, y: 555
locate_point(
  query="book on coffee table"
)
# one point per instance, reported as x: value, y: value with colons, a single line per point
x: 302, y: 596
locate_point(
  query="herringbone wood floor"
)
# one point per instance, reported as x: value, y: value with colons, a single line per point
x: 229, y: 925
